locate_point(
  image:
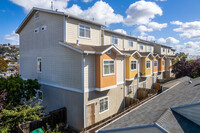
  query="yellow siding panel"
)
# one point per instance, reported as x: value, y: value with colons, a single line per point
x: 130, y: 74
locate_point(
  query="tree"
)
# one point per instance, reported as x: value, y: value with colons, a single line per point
x: 3, y: 94
x: 17, y: 89
x: 3, y: 65
x: 186, y: 68
x: 182, y: 55
x: 11, y: 118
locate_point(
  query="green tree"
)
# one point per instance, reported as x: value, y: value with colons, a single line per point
x: 11, y: 118
x: 182, y: 55
x: 17, y: 88
x: 3, y: 65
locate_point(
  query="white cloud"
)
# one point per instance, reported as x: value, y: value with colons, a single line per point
x: 157, y: 26
x: 101, y: 12
x: 142, y: 12
x: 143, y: 29
x: 86, y: 1
x: 188, y: 30
x: 147, y: 37
x: 28, y: 4
x: 12, y: 38
x: 193, y: 48
x: 169, y: 40
x: 121, y: 31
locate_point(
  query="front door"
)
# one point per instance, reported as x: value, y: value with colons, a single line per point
x: 90, y: 114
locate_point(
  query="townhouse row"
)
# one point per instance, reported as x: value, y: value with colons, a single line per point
x: 86, y: 68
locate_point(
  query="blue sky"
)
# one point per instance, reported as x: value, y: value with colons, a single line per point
x: 171, y: 22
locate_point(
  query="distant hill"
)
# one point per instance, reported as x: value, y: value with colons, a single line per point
x: 7, y: 50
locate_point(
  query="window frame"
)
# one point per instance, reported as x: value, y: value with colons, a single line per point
x: 156, y: 63
x: 100, y: 112
x: 84, y: 31
x: 142, y: 47
x: 163, y: 63
x: 129, y: 43
x: 163, y: 49
x: 115, y: 38
x: 103, y: 67
x: 149, y: 64
x: 131, y: 64
x: 38, y: 65
x: 150, y: 49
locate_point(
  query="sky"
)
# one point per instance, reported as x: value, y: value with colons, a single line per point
x: 175, y: 23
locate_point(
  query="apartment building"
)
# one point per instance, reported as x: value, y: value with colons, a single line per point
x: 84, y: 67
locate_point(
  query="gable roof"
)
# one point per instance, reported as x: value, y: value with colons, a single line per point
x: 146, y: 54
x: 152, y: 110
x: 35, y: 9
x: 89, y: 49
x: 131, y: 52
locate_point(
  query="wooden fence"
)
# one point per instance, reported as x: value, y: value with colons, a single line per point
x: 55, y: 117
x: 130, y: 101
x: 143, y: 93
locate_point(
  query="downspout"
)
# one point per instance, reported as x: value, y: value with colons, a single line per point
x: 124, y: 79
x: 83, y: 64
x: 64, y: 32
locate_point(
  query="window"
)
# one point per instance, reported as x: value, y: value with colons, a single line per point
x: 43, y: 27
x: 37, y: 15
x: 141, y: 47
x: 155, y: 63
x: 36, y: 30
x: 163, y: 63
x: 163, y: 49
x: 103, y: 103
x: 114, y: 40
x: 39, y: 95
x: 84, y: 31
x: 148, y: 64
x: 130, y: 43
x: 149, y: 48
x: 129, y: 90
x: 168, y: 50
x: 39, y: 64
x: 109, y: 52
x: 108, y: 67
x: 133, y: 65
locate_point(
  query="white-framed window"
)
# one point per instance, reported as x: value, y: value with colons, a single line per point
x: 103, y: 104
x: 163, y: 49
x: 133, y: 65
x: 36, y: 30
x: 148, y: 64
x: 108, y: 67
x: 109, y: 52
x: 39, y: 64
x: 168, y: 50
x: 130, y: 43
x: 141, y: 47
x: 37, y: 14
x: 39, y: 95
x: 149, y: 48
x: 129, y: 89
x: 114, y: 40
x: 155, y: 63
x: 84, y: 31
x: 43, y: 28
x: 163, y: 62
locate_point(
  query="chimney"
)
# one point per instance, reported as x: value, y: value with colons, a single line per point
x: 77, y: 42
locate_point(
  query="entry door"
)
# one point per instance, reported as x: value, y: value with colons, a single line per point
x: 90, y: 114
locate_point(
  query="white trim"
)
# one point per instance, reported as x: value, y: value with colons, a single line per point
x: 112, y: 39
x: 135, y: 53
x: 89, y: 89
x: 135, y: 108
x: 38, y: 65
x: 65, y: 29
x: 68, y: 46
x: 83, y: 70
x: 147, y: 75
x: 130, y: 79
x: 109, y: 49
x: 106, y: 88
x: 99, y: 104
x: 130, y: 40
x: 84, y: 31
x: 119, y: 83
x: 162, y: 71
x: 155, y: 72
x: 136, y: 65
x: 103, y: 67
x: 154, y: 63
x: 62, y: 87
x: 150, y: 64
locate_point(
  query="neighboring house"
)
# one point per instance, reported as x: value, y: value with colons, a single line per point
x: 84, y: 67
x: 176, y: 110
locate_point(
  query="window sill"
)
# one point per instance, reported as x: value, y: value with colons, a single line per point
x: 103, y: 111
x: 104, y: 75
